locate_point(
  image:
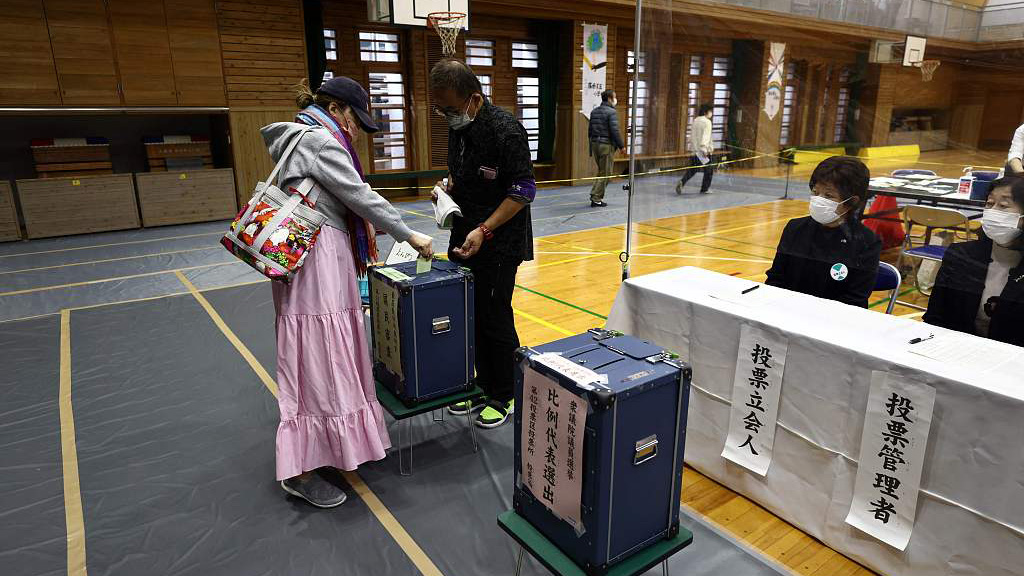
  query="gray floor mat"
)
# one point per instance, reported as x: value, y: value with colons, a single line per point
x: 32, y: 528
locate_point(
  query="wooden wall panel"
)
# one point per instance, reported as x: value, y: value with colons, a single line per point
x: 143, y: 52
x: 910, y: 91
x: 83, y: 52
x: 27, y: 72
x: 264, y: 50
x: 195, y: 52
x: 252, y: 163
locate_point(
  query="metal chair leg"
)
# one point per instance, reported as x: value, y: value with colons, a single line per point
x: 433, y: 414
x: 664, y: 568
x: 519, y: 563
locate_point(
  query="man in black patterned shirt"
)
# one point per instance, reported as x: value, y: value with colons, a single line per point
x: 490, y: 177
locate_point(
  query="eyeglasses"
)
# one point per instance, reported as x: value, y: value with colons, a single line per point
x: 445, y: 112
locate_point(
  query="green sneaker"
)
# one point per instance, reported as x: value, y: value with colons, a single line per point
x: 463, y: 408
x: 495, y: 414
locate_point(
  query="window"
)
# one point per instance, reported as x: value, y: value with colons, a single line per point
x: 720, y: 66
x: 842, y: 106
x: 641, y: 103
x: 387, y: 98
x: 485, y: 83
x: 328, y: 75
x: 720, y: 116
x: 330, y: 44
x: 378, y: 47
x: 695, y: 65
x: 692, y: 103
x: 480, y: 52
x: 788, y: 104
x: 524, y: 55
x: 528, y: 110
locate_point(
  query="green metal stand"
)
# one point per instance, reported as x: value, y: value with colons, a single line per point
x: 532, y: 541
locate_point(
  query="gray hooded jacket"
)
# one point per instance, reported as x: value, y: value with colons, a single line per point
x: 321, y: 157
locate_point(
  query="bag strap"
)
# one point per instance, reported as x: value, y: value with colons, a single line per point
x: 285, y: 211
x: 287, y: 152
x: 309, y: 190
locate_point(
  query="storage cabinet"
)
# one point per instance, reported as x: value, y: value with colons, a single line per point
x: 143, y: 52
x: 83, y: 53
x: 64, y: 206
x: 195, y: 52
x: 27, y: 75
x: 9, y: 227
x: 189, y: 196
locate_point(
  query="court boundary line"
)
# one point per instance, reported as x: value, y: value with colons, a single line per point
x: 111, y: 244
x: 397, y: 532
x: 106, y: 260
x: 74, y: 519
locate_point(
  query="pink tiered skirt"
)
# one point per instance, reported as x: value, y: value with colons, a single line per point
x: 329, y: 410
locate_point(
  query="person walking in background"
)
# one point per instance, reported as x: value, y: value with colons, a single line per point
x: 1016, y: 155
x: 605, y: 141
x: 330, y: 417
x: 490, y: 177
x: 702, y: 147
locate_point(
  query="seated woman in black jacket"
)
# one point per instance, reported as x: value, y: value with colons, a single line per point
x: 980, y: 287
x: 830, y: 254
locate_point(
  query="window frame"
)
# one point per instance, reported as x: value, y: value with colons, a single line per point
x: 332, y: 37
x: 371, y: 67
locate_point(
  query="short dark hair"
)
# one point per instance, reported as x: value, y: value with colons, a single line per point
x: 607, y: 95
x: 704, y: 109
x: 849, y: 175
x: 1015, y: 180
x: 454, y: 74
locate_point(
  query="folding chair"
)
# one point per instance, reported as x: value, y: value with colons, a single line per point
x: 911, y: 172
x: 931, y: 218
x: 888, y: 278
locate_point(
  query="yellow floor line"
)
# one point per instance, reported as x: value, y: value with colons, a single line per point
x: 383, y: 515
x: 108, y: 260
x: 543, y: 322
x: 73, y: 518
x: 112, y: 244
x: 912, y: 315
x: 112, y: 279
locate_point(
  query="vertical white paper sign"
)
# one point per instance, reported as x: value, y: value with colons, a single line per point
x: 896, y: 425
x: 756, y: 388
x: 776, y: 76
x: 595, y: 65
x: 552, y: 445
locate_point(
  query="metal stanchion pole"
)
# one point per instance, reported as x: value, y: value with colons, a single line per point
x: 631, y: 185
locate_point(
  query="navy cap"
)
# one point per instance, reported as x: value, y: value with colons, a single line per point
x: 347, y: 90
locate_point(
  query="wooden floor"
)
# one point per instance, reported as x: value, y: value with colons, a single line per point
x: 571, y: 285
x: 945, y: 163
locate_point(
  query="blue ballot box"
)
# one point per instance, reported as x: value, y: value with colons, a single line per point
x: 422, y: 330
x: 632, y: 445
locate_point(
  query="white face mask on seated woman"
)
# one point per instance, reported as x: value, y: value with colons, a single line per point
x: 825, y: 211
x: 1001, y: 226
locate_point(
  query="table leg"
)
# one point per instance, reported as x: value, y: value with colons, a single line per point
x: 519, y: 562
x: 664, y: 567
x: 402, y: 470
x: 472, y: 430
x: 434, y: 415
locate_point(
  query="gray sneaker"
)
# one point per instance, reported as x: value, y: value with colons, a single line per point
x: 315, y: 490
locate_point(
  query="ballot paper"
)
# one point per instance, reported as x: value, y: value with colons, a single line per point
x: 975, y: 354
x: 423, y: 265
x: 444, y: 209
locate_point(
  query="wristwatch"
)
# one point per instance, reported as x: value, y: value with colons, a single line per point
x: 488, y: 234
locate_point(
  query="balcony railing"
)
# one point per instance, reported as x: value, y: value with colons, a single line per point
x: 931, y: 18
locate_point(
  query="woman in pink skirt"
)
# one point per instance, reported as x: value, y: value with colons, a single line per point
x: 330, y: 417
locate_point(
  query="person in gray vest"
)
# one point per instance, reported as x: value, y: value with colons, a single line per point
x: 605, y: 141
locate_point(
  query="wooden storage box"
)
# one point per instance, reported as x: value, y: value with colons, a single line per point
x: 65, y: 206
x: 59, y: 157
x: 10, y: 229
x: 157, y: 153
x: 189, y: 196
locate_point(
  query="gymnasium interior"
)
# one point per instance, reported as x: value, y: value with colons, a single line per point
x: 139, y: 408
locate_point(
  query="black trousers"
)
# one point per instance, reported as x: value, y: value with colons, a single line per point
x: 709, y: 172
x: 496, y: 337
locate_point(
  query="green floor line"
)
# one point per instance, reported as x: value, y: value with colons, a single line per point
x: 759, y: 256
x: 563, y: 302
x: 898, y: 296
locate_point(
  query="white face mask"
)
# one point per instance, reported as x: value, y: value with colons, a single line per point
x: 460, y: 121
x: 825, y: 211
x: 1002, y: 227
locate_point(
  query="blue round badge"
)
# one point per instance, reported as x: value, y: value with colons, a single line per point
x: 839, y: 271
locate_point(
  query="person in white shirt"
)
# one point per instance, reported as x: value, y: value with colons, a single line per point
x: 701, y: 146
x: 1013, y: 161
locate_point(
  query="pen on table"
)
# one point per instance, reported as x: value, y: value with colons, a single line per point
x: 919, y: 340
x: 751, y: 289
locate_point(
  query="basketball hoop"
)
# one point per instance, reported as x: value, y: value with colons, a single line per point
x: 448, y: 25
x: 928, y: 68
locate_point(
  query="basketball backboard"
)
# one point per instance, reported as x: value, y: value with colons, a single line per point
x: 414, y: 12
x: 913, y: 50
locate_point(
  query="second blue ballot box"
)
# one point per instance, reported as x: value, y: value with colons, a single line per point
x: 422, y: 328
x: 632, y: 447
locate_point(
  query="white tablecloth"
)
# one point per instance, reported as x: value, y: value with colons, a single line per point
x: 970, y: 515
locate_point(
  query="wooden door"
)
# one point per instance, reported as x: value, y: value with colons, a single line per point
x: 143, y: 52
x: 27, y: 73
x: 195, y: 52
x: 82, y: 52
x: 1001, y: 118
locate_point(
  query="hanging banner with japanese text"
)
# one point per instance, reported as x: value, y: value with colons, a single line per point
x: 756, y: 388
x: 552, y: 445
x: 892, y: 447
x: 776, y: 79
x: 595, y: 63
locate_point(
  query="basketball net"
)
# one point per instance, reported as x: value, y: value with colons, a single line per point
x: 928, y: 68
x: 448, y: 25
